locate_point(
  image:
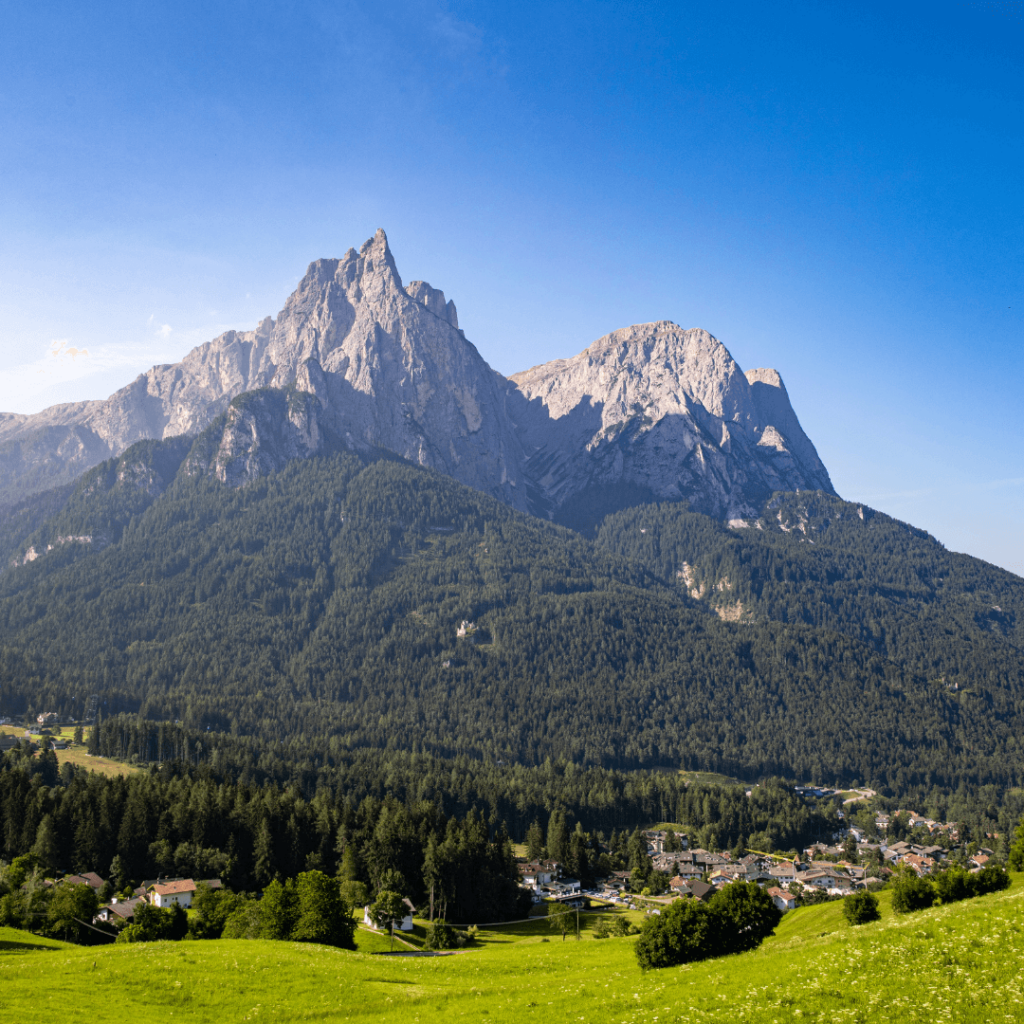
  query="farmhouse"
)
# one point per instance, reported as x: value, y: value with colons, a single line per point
x: 404, y: 925
x: 782, y: 899
x: 169, y: 894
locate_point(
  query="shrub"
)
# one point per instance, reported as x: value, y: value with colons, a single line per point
x: 244, y: 922
x: 860, y: 908
x: 680, y: 934
x: 954, y: 884
x: 322, y: 914
x: 990, y: 879
x: 910, y: 893
x: 151, y: 924
x: 745, y: 915
x: 737, y: 918
x: 440, y: 935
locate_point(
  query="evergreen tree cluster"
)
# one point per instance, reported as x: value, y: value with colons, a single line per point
x: 178, y: 822
x: 561, y: 794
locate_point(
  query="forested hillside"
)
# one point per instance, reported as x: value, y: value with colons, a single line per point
x: 366, y: 813
x: 322, y: 604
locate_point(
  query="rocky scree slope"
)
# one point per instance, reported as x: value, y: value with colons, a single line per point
x: 358, y: 361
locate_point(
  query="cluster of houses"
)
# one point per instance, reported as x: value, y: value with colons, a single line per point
x: 700, y: 873
x: 545, y: 879
x: 160, y: 892
x: 913, y: 821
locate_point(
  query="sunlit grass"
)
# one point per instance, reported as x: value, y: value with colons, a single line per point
x: 956, y: 963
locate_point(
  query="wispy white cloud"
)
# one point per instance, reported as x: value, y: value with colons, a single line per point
x: 160, y: 330
x: 62, y: 371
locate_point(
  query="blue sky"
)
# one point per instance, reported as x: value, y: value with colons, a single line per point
x: 832, y: 190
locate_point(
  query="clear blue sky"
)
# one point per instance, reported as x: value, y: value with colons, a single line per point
x: 834, y: 190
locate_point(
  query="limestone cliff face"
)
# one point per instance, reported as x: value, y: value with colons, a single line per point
x: 388, y: 366
x: 666, y: 413
x: 356, y: 360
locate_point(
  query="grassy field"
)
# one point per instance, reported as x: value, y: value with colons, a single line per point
x: 77, y: 754
x: 958, y: 963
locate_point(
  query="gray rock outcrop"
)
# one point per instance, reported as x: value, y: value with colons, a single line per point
x: 664, y: 413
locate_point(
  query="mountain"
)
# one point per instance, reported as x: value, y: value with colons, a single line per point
x: 656, y: 412
x: 322, y: 602
x: 356, y: 361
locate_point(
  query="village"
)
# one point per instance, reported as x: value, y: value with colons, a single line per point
x: 851, y: 863
x: 862, y: 855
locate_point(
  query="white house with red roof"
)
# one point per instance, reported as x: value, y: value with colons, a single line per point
x: 169, y: 894
x: 782, y: 899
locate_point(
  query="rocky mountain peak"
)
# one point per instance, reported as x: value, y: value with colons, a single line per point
x: 658, y: 411
x: 433, y: 299
x: 358, y: 360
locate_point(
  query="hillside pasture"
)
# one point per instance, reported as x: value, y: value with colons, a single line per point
x: 960, y: 962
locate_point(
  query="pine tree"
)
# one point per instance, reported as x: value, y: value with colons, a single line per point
x: 534, y: 841
x: 264, y: 854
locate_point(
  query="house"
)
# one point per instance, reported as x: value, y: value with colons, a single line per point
x: 689, y: 871
x: 667, y: 861
x: 979, y: 860
x: 48, y: 718
x: 784, y: 872
x: 564, y: 887
x: 698, y: 890
x: 782, y: 899
x: 828, y: 879
x: 169, y: 894
x: 734, y: 871
x: 8, y: 742
x: 119, y: 911
x: 539, y: 872
x: 718, y: 878
x: 922, y: 865
x: 89, y: 878
x: 655, y: 841
x: 405, y: 925
x: 855, y: 871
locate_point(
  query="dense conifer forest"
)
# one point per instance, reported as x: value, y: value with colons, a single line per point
x: 320, y: 606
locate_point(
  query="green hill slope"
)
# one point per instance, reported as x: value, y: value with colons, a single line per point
x: 960, y: 962
x: 324, y: 601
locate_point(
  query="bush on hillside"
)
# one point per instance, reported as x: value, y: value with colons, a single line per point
x: 910, y: 893
x: 441, y: 935
x: 990, y: 879
x: 954, y: 884
x: 151, y: 924
x: 860, y: 908
x: 1016, y: 859
x: 737, y: 918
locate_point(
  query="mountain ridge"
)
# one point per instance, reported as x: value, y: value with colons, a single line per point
x: 388, y: 367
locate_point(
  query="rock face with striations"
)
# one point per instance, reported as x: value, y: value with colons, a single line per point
x: 356, y: 360
x: 388, y: 366
x: 658, y: 412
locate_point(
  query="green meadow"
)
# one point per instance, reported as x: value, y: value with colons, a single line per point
x: 957, y: 963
